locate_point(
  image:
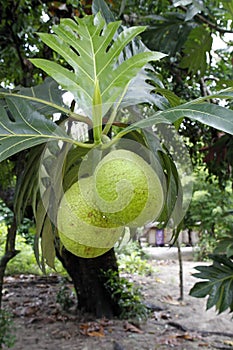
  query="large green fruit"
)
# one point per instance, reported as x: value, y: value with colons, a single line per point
x: 81, y: 221
x: 123, y: 191
x: 128, y: 189
x: 81, y: 250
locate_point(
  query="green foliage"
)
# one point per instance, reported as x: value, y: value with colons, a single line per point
x: 225, y: 245
x: 126, y: 295
x: 64, y: 295
x: 5, y: 213
x: 27, y: 129
x: 24, y: 262
x: 167, y: 32
x: 219, y: 276
x: 7, y: 337
x: 93, y: 59
x: 193, y: 7
x: 218, y: 284
x: 207, y: 212
x: 45, y: 97
x: 133, y: 260
x: 131, y: 247
x: 27, y: 230
x: 215, y: 116
x: 196, y: 47
x: 206, y: 245
x: 18, y: 24
x: 134, y: 264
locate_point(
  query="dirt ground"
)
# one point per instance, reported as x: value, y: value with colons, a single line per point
x: 40, y: 324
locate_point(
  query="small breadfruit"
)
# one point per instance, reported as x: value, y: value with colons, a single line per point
x: 81, y: 250
x: 128, y: 189
x: 81, y: 221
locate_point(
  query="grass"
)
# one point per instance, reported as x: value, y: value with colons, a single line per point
x: 25, y: 262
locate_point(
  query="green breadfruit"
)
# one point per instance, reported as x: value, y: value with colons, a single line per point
x: 128, y: 189
x: 81, y: 250
x: 123, y: 191
x: 80, y: 220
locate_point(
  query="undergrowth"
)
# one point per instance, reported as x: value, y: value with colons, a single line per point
x: 133, y: 260
x: 127, y: 295
x: 7, y: 337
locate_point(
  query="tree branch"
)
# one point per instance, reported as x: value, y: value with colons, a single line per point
x: 206, y: 21
x: 10, y: 253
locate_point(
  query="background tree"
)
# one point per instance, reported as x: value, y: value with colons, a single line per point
x: 207, y: 212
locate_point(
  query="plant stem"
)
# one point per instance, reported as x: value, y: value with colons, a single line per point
x: 180, y: 271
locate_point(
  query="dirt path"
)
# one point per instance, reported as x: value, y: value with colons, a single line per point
x: 40, y: 324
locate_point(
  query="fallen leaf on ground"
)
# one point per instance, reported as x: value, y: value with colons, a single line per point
x: 175, y: 339
x: 92, y: 329
x: 203, y: 344
x: 26, y: 311
x: 228, y: 342
x: 105, y: 322
x: 100, y: 333
x: 131, y: 328
x: 61, y: 334
x: 186, y: 336
x: 158, y: 280
x: 169, y: 300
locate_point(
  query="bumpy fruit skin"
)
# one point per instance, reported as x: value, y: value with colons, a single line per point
x: 123, y: 191
x: 80, y: 220
x: 79, y: 249
x: 128, y: 190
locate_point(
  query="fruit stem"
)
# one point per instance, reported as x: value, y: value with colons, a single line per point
x: 115, y: 139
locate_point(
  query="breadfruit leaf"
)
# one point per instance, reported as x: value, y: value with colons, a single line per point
x: 218, y: 284
x: 22, y: 127
x: 92, y: 48
x: 213, y: 115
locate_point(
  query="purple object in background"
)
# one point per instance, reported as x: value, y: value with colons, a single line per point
x: 159, y: 237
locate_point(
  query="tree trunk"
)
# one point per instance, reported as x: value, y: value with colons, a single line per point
x: 190, y: 237
x: 9, y: 254
x: 181, y: 275
x: 89, y: 281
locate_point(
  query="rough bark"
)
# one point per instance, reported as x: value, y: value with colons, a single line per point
x: 93, y: 297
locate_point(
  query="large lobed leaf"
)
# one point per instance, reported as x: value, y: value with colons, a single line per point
x: 92, y: 47
x: 46, y: 97
x: 213, y: 115
x: 167, y: 33
x: 146, y: 83
x: 225, y: 246
x: 22, y: 127
x: 196, y: 47
x: 218, y: 284
x: 102, y: 7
